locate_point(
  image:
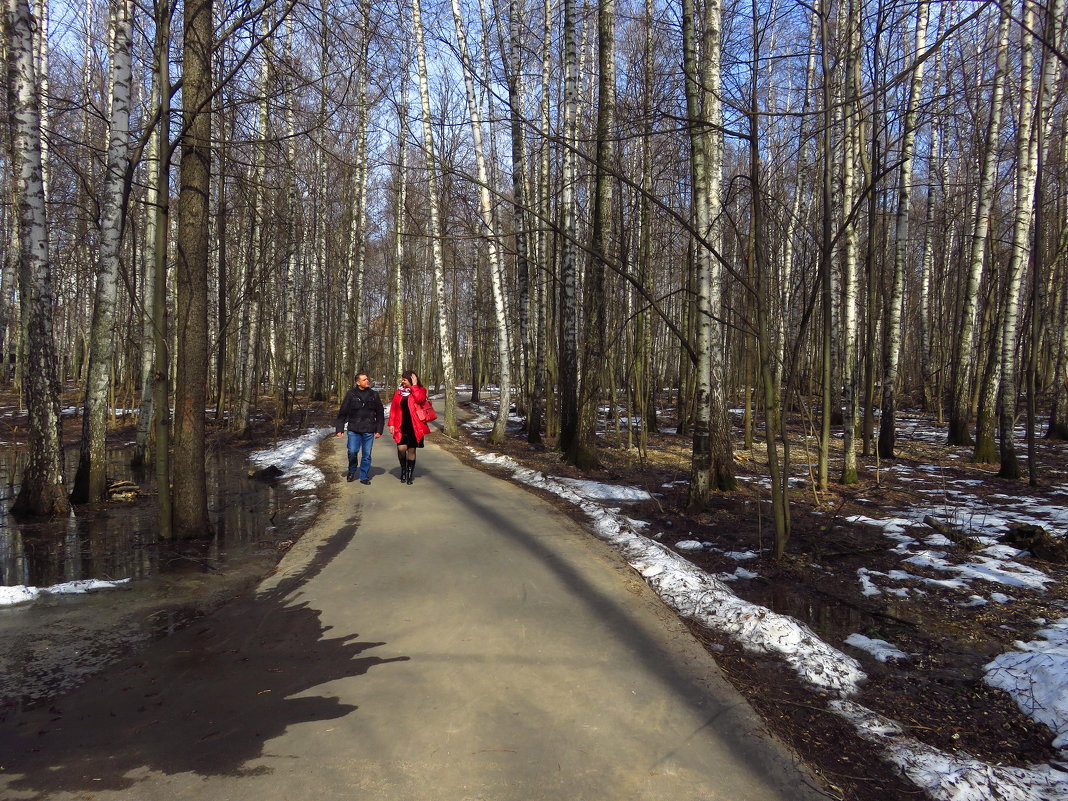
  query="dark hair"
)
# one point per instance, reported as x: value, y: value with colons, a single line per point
x: 356, y: 377
x: 413, y: 379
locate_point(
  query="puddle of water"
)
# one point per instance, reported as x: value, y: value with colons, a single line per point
x: 832, y: 620
x: 119, y: 540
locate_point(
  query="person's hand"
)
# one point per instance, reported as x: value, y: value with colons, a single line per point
x: 377, y: 435
x: 339, y: 433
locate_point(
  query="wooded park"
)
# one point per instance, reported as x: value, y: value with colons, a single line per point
x: 817, y: 214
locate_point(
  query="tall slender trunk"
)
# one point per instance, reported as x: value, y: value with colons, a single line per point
x: 853, y: 146
x: 42, y: 491
x: 248, y: 334
x: 542, y: 301
x: 583, y: 449
x: 937, y: 166
x: 356, y: 358
x: 1032, y: 134
x: 90, y: 481
x: 190, y: 482
x: 568, y: 350
x: 711, y: 462
x: 964, y: 361
x: 161, y: 417
x: 285, y: 367
x: 490, y: 233
x: 143, y: 440
x: 513, y: 64
x: 436, y: 230
x: 892, y: 353
x: 399, y: 222
x: 643, y: 386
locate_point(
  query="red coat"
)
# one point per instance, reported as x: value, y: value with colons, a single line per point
x: 415, y: 397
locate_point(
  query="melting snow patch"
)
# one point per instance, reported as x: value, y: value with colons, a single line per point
x: 946, y: 777
x: 739, y: 573
x: 1012, y: 574
x: 867, y: 586
x: 596, y: 491
x: 695, y: 594
x: 1036, y: 676
x: 9, y: 596
x: 294, y: 457
x: 689, y: 545
x: 880, y: 649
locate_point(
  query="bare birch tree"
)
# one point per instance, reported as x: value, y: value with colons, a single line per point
x: 436, y: 230
x: 90, y: 480
x: 490, y: 232
x: 42, y: 491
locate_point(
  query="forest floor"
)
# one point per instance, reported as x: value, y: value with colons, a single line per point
x: 844, y: 573
x: 860, y: 560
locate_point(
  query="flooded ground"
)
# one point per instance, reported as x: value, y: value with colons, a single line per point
x: 52, y: 643
x: 119, y: 540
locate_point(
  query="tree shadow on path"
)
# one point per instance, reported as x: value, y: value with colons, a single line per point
x: 203, y: 701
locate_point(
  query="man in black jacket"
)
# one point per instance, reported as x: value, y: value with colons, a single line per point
x: 363, y: 413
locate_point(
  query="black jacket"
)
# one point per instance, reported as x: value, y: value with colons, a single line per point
x: 362, y: 410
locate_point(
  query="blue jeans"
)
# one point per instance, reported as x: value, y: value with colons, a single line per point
x: 360, y: 453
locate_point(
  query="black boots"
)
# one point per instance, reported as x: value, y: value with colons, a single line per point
x: 407, y: 469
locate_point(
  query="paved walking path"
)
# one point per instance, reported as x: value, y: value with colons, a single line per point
x: 454, y: 640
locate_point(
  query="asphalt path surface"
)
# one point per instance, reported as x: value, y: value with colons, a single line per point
x: 456, y: 639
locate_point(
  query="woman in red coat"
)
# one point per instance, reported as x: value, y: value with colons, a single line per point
x: 405, y: 422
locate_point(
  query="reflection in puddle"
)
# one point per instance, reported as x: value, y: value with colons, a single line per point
x: 119, y: 540
x: 831, y: 619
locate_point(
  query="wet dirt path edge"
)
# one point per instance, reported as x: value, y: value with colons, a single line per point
x: 454, y: 639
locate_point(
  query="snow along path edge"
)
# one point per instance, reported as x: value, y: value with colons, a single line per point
x: 694, y: 594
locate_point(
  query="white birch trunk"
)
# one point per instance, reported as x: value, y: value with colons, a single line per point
x: 853, y: 143
x: 490, y: 233
x: 151, y: 167
x: 888, y: 421
x: 90, y: 482
x: 1033, y: 128
x: 42, y: 491
x: 965, y: 357
x: 436, y: 230
x: 568, y: 351
x: 41, y: 57
x: 246, y: 362
x: 711, y: 458
x: 285, y: 368
x: 399, y: 218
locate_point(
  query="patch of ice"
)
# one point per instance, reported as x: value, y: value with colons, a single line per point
x: 689, y: 545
